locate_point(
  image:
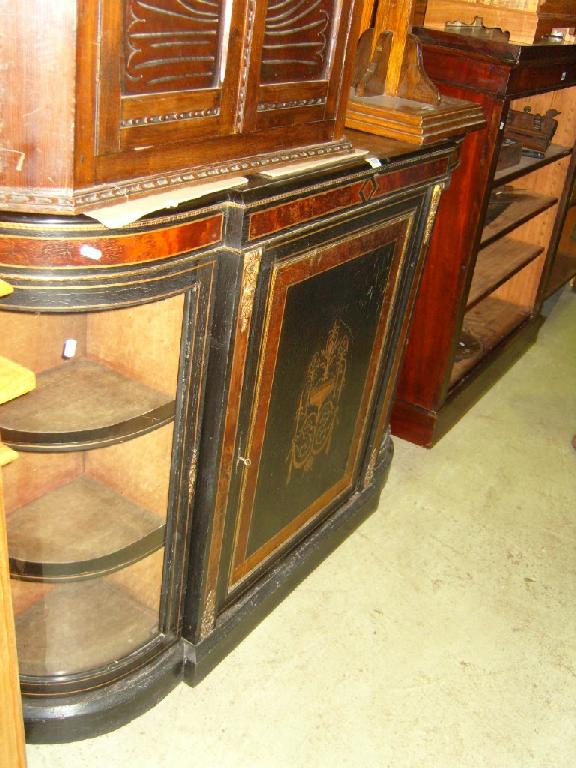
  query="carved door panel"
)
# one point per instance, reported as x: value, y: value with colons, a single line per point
x: 167, y: 71
x: 295, y: 75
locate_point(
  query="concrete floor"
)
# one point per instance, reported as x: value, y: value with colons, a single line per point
x: 441, y: 635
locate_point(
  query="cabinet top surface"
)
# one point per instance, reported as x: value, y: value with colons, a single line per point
x: 511, y: 54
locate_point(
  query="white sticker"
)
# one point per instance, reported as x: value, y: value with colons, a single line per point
x: 564, y: 76
x: 69, y: 348
x: 90, y: 252
x: 373, y: 162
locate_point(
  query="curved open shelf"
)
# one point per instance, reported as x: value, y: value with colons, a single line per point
x: 83, y: 404
x: 75, y: 628
x: 80, y: 530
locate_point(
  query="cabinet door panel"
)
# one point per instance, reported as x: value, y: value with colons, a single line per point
x: 165, y: 67
x: 292, y: 76
x: 325, y: 328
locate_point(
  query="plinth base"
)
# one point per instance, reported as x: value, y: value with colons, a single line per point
x: 413, y: 121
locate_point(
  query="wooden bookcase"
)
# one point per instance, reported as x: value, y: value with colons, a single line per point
x: 494, y: 254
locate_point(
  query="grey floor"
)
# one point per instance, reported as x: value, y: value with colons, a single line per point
x: 442, y: 634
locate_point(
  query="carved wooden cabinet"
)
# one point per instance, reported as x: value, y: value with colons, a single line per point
x: 211, y: 419
x: 106, y: 99
x: 497, y: 232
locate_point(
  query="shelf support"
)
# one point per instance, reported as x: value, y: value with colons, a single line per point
x: 391, y: 93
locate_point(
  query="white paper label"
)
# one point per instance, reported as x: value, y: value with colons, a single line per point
x: 69, y: 350
x: 90, y: 252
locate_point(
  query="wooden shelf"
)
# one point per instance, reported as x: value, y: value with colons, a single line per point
x: 489, y: 322
x: 44, y: 540
x: 497, y: 263
x: 82, y: 404
x: 78, y: 627
x: 522, y: 208
x: 528, y: 164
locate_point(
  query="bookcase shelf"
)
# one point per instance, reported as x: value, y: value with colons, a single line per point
x: 489, y: 322
x: 498, y: 262
x: 528, y: 164
x: 522, y: 208
x: 493, y: 251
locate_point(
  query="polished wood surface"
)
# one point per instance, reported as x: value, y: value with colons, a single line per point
x: 526, y: 20
x: 117, y: 98
x: 194, y: 522
x: 463, y: 271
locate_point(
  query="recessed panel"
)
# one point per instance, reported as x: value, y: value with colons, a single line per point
x: 325, y: 329
x: 297, y: 39
x: 171, y: 45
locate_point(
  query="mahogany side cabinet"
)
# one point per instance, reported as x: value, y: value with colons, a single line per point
x: 494, y: 255
x: 211, y: 417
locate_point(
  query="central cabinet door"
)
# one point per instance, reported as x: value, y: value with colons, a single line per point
x: 314, y: 391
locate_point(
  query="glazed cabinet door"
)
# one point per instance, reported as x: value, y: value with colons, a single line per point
x: 97, y: 505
